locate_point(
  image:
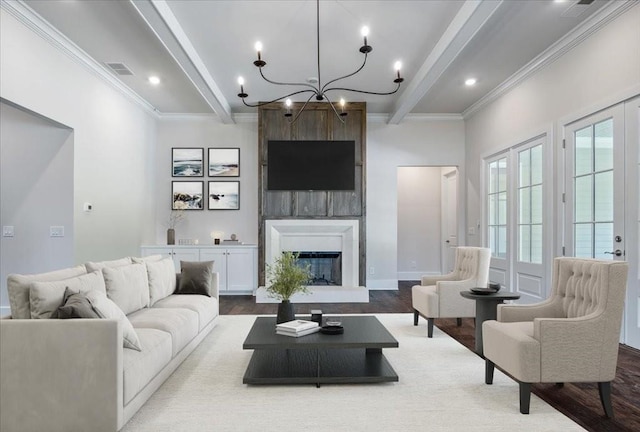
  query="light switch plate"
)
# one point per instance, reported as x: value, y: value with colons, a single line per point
x: 7, y: 231
x: 56, y: 231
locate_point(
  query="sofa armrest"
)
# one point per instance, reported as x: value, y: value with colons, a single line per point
x: 215, y: 285
x: 61, y: 375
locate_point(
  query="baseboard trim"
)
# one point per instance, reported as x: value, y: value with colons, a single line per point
x: 414, y: 275
x: 382, y: 284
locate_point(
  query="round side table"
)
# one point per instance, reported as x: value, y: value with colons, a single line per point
x: 486, y: 309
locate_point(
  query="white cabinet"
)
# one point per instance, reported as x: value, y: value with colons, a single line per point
x: 237, y: 266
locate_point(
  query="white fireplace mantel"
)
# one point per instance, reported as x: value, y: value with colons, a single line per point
x: 319, y: 235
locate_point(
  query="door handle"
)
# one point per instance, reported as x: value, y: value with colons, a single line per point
x: 446, y: 241
x: 616, y: 252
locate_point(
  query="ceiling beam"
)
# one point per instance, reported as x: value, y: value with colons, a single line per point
x: 471, y: 17
x: 163, y: 23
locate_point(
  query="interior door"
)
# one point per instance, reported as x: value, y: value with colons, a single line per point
x: 449, y: 205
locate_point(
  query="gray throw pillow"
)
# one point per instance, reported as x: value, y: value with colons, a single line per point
x: 195, y: 277
x: 75, y: 305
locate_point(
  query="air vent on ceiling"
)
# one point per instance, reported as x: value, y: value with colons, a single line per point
x: 577, y: 9
x: 119, y: 68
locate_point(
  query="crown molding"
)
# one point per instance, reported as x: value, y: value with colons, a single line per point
x: 46, y: 31
x: 591, y: 25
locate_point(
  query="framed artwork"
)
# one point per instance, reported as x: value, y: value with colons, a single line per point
x: 224, y: 195
x: 224, y: 162
x: 187, y: 162
x: 187, y: 195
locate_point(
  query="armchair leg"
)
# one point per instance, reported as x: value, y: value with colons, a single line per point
x: 525, y: 397
x: 488, y: 371
x: 604, y: 388
x: 430, y: 327
x: 559, y: 385
x: 415, y: 317
x: 458, y: 322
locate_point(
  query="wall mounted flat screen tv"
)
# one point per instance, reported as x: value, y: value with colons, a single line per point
x: 311, y: 165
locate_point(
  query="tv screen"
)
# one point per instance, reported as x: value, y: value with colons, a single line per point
x: 311, y: 165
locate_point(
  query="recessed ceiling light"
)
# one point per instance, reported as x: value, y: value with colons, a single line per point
x: 470, y: 81
x: 154, y: 80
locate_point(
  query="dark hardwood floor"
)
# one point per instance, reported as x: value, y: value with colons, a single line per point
x: 580, y: 401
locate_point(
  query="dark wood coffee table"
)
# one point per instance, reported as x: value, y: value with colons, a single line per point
x: 352, y: 357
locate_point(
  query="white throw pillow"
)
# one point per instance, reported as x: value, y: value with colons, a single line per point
x: 162, y: 279
x: 93, y: 266
x: 127, y: 286
x: 147, y: 259
x: 46, y: 297
x: 108, y: 309
x: 18, y: 288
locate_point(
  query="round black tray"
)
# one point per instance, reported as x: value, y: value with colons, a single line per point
x: 332, y: 330
x: 482, y: 291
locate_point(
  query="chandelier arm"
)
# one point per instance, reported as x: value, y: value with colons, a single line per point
x: 364, y: 91
x: 301, y: 109
x: 346, y: 76
x: 334, y: 110
x: 287, y: 83
x: 259, y: 104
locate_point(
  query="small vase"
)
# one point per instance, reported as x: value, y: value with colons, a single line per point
x: 171, y: 236
x: 285, y: 312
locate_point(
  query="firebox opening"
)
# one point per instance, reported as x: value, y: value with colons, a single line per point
x: 325, y: 267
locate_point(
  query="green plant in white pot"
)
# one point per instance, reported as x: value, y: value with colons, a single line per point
x: 287, y: 277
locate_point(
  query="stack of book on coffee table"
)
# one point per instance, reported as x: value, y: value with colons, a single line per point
x: 297, y: 328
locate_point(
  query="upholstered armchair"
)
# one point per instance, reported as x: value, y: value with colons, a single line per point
x: 439, y: 296
x: 571, y: 337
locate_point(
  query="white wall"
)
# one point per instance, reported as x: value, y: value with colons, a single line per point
x: 412, y: 143
x: 206, y: 132
x: 113, y: 140
x: 603, y: 66
x: 419, y: 220
x: 36, y: 192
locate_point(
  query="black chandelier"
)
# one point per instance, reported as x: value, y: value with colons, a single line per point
x: 316, y: 89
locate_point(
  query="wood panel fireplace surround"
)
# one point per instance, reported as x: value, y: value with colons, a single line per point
x: 318, y: 208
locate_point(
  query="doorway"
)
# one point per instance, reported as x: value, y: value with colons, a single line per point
x: 427, y: 218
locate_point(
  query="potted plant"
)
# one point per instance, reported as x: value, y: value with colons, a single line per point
x: 174, y: 218
x: 286, y: 278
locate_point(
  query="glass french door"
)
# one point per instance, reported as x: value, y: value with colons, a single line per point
x: 594, y: 186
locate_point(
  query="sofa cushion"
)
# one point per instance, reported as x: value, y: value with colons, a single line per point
x: 108, y: 309
x: 127, y: 286
x: 182, y: 324
x: 18, y: 288
x: 93, y: 266
x: 140, y: 367
x: 147, y: 259
x: 75, y: 305
x: 205, y: 307
x: 46, y: 297
x: 195, y: 277
x: 425, y: 300
x: 162, y: 279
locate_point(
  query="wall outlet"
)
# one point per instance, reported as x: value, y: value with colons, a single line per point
x: 413, y: 265
x: 56, y: 231
x: 7, y: 231
x: 372, y: 270
x: 87, y: 207
x: 472, y: 230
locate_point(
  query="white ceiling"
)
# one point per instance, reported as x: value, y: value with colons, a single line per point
x: 198, y: 48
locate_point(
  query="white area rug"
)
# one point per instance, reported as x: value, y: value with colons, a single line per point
x: 441, y: 388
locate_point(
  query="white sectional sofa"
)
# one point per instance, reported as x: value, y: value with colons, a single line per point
x: 76, y: 374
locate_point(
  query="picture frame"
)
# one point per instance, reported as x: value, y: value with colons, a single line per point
x: 187, y: 195
x: 224, y: 162
x: 223, y: 195
x: 187, y: 162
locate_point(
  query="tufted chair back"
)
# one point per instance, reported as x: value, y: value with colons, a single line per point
x: 470, y: 264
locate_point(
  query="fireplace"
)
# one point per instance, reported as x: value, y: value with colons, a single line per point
x: 325, y: 267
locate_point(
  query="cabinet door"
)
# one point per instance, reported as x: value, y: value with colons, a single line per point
x: 184, y: 255
x: 166, y: 252
x: 219, y: 258
x: 241, y: 270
